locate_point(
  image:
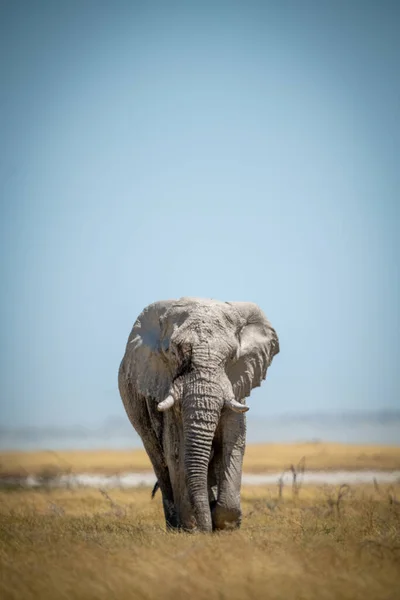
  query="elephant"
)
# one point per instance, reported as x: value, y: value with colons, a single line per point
x: 188, y: 366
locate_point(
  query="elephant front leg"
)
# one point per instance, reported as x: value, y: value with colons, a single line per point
x: 139, y: 413
x: 154, y: 452
x: 227, y: 513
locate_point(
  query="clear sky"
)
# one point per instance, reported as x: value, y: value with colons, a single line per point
x: 232, y: 150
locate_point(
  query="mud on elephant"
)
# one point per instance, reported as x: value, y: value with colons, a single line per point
x: 189, y: 364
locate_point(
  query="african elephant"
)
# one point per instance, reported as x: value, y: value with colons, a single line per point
x: 188, y: 366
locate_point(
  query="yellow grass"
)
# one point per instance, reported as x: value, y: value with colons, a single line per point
x: 321, y: 456
x: 82, y: 544
x: 258, y: 458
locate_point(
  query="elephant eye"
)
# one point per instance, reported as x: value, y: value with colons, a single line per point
x: 185, y: 349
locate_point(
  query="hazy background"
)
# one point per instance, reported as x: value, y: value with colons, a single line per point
x: 233, y: 150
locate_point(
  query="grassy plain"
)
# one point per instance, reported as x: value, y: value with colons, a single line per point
x: 307, y: 543
x: 259, y: 458
x: 90, y: 544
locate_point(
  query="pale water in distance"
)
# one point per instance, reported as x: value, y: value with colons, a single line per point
x: 134, y: 480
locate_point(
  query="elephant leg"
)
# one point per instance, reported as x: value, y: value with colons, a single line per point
x: 149, y: 430
x: 155, y: 454
x: 227, y: 512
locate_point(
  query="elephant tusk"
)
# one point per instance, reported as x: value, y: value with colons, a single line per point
x: 165, y: 404
x: 236, y: 406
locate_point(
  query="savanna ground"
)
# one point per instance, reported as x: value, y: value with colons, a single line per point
x: 298, y: 542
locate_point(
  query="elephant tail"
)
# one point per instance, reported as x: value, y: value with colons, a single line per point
x: 155, y: 488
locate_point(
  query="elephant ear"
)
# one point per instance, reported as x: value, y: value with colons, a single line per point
x: 258, y: 344
x: 145, y: 363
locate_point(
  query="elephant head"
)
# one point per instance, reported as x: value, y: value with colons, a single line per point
x: 198, y: 359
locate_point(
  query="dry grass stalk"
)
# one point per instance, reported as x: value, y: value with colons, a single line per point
x: 389, y: 492
x: 335, y: 497
x: 297, y: 475
x: 117, y: 510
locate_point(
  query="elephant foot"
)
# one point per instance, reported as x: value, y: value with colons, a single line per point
x: 171, y: 518
x: 172, y: 527
x: 226, y: 518
x: 189, y: 524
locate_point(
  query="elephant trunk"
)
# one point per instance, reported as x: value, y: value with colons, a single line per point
x: 202, y: 403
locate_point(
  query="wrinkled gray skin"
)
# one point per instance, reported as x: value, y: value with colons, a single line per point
x: 188, y: 366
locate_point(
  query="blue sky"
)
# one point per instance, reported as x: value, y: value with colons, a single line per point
x: 233, y: 150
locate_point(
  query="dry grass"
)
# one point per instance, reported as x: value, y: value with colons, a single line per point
x: 319, y: 455
x: 75, y: 544
x: 258, y: 458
